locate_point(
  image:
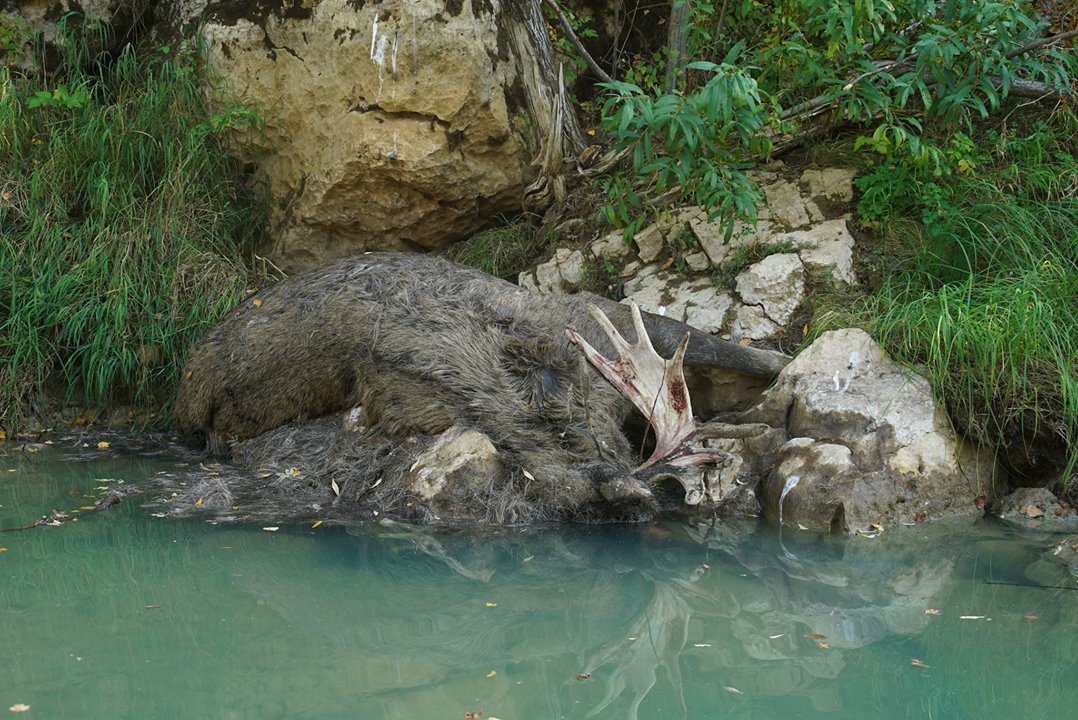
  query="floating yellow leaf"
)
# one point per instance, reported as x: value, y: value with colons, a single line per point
x: 315, y: 524
x: 492, y: 673
x: 235, y: 507
x: 823, y: 645
x: 198, y: 503
x: 490, y: 604
x: 256, y: 302
x: 103, y: 445
x: 3, y: 435
x: 84, y: 508
x: 3, y: 549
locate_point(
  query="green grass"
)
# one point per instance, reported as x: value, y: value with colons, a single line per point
x: 123, y: 227
x: 502, y: 251
x: 987, y: 299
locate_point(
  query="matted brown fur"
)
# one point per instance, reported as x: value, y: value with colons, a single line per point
x: 423, y: 344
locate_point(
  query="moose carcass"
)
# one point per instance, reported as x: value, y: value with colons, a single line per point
x: 424, y: 352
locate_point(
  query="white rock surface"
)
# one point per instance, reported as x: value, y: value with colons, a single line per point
x: 826, y: 248
x: 776, y: 284
x: 903, y: 457
x: 835, y: 184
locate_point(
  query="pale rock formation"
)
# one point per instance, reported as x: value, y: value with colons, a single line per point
x: 868, y: 442
x: 387, y: 125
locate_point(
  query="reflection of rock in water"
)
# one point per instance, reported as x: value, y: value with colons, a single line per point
x: 854, y: 591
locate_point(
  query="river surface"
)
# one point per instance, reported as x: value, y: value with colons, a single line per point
x: 125, y: 614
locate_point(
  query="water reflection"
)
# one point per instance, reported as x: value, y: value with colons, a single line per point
x: 121, y: 614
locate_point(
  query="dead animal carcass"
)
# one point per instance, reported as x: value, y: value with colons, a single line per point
x: 406, y: 385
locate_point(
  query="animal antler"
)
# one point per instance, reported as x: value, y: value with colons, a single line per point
x: 657, y: 388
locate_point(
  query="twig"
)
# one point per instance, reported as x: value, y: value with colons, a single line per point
x: 579, y: 46
x: 1041, y: 43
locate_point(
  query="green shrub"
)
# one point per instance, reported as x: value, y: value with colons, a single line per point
x: 905, y: 72
x: 988, y: 299
x: 123, y: 226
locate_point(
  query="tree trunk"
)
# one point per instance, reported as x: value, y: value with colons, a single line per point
x: 677, y: 37
x: 555, y: 126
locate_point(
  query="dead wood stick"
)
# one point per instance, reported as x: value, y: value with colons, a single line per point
x: 579, y: 46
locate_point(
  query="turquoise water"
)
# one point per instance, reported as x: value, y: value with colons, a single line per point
x: 121, y: 614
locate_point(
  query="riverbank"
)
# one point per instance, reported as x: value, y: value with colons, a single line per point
x: 119, y: 249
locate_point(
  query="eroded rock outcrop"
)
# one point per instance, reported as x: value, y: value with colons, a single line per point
x: 389, y: 126
x: 867, y: 442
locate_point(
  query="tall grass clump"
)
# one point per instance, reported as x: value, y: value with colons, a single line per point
x: 123, y: 224
x: 988, y: 299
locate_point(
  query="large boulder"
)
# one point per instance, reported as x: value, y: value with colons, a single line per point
x: 867, y: 443
x: 388, y: 125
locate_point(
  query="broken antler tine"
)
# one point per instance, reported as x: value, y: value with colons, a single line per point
x: 642, y: 338
x: 616, y: 338
x: 677, y: 363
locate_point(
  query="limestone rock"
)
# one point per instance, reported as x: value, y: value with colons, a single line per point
x: 387, y: 126
x: 786, y: 204
x: 776, y: 284
x: 649, y: 243
x: 904, y: 460
x: 1038, y: 508
x: 456, y: 467
x: 712, y: 237
x: 752, y: 323
x: 834, y: 184
x: 811, y: 487
x: 562, y: 273
x: 697, y: 261
x: 826, y: 247
x: 697, y: 302
x: 611, y: 246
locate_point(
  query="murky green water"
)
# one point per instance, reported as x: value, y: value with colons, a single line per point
x: 120, y: 614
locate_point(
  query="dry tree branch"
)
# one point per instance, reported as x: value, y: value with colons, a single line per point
x: 577, y: 45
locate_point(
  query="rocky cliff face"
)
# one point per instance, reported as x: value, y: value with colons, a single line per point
x: 388, y: 124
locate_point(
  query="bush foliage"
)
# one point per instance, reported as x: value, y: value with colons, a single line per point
x: 904, y: 72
